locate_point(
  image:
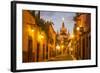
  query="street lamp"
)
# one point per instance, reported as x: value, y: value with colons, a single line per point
x: 40, y: 36
x: 62, y: 46
x: 58, y: 47
x: 72, y: 36
x: 77, y: 28
x: 33, y: 30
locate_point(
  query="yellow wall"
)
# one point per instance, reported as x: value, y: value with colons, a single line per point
x: 83, y: 20
x: 27, y: 31
x: 51, y: 47
x: 30, y: 28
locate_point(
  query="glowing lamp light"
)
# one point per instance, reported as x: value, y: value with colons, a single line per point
x: 62, y: 46
x: 78, y: 28
x: 58, y: 47
x: 72, y: 36
x: 41, y: 36
x: 32, y: 30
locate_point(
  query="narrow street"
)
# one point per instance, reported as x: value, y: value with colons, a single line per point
x: 63, y: 57
x: 49, y: 39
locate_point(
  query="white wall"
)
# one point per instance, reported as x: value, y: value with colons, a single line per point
x: 5, y: 36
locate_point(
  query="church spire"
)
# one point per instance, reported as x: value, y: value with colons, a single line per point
x: 63, y: 29
x: 63, y: 25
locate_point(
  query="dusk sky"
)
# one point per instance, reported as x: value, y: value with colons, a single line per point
x: 57, y: 18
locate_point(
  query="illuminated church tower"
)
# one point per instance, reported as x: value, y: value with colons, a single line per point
x: 63, y: 33
x: 62, y: 38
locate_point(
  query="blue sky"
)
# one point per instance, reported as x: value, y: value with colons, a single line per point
x: 57, y: 18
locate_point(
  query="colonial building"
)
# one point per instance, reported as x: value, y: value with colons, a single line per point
x: 33, y: 38
x: 82, y: 32
x: 51, y: 42
x: 38, y: 38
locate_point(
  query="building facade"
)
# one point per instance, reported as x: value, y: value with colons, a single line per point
x: 51, y: 42
x: 33, y: 38
x: 82, y: 40
x: 38, y: 38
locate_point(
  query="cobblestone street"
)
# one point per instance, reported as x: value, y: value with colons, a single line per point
x: 63, y: 57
